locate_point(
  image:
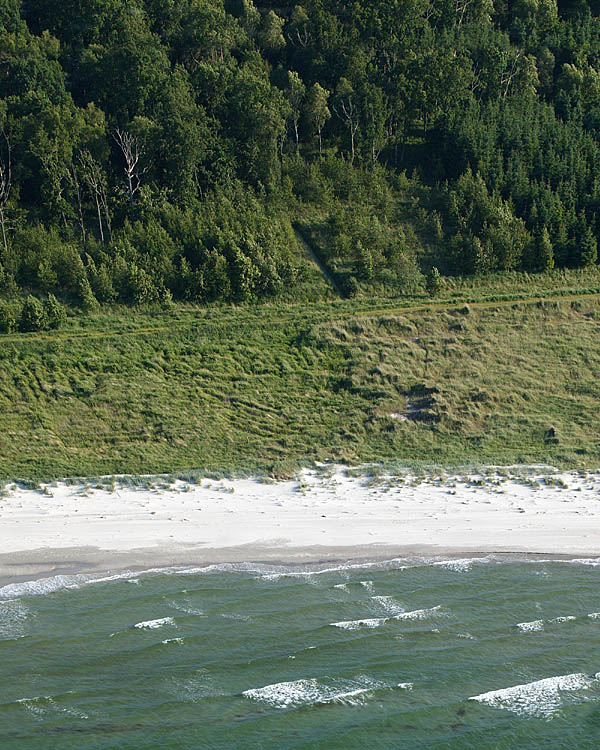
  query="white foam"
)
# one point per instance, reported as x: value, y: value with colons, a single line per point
x: 531, y: 627
x: 538, y: 625
x: 272, y: 573
x: 375, y: 622
x: 172, y: 640
x: 389, y: 604
x: 153, y: 624
x: 185, y: 607
x: 594, y: 615
x: 541, y: 698
x: 593, y: 562
x: 41, y: 586
x: 42, y: 705
x: 420, y: 614
x: 371, y: 622
x: 312, y: 691
x: 458, y: 566
x: 52, y: 584
x: 13, y: 616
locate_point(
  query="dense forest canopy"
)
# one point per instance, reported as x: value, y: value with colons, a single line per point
x: 158, y: 149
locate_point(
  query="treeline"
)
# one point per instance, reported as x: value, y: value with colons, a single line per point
x: 159, y: 149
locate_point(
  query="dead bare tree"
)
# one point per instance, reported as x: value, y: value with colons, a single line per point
x: 5, y: 186
x: 509, y: 72
x: 300, y: 37
x: 132, y: 150
x: 95, y: 179
x: 429, y: 9
x: 347, y: 112
x: 460, y: 9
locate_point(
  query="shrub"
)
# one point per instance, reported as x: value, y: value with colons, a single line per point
x: 56, y: 313
x: 33, y: 315
x: 8, y: 319
x: 350, y: 286
x: 364, y: 263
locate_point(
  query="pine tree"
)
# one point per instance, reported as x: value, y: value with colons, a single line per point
x: 588, y: 249
x: 544, y: 251
x: 85, y: 295
x: 364, y: 263
x: 433, y: 282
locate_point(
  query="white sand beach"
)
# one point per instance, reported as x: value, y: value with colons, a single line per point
x: 323, y: 514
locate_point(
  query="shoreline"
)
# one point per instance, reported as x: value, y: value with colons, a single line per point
x: 324, y: 516
x: 87, y: 563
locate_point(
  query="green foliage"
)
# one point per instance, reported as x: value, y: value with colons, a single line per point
x: 588, y: 248
x: 55, y: 313
x: 364, y: 263
x: 162, y: 146
x: 544, y: 251
x: 33, y: 315
x: 8, y: 318
x: 85, y: 296
x: 433, y: 282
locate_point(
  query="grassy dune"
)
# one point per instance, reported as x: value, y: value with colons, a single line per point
x: 262, y: 388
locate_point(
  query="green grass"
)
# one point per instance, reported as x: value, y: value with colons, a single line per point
x: 271, y: 387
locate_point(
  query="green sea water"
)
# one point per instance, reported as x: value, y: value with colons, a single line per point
x: 405, y: 654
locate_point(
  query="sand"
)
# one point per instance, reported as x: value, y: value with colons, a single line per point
x: 324, y: 514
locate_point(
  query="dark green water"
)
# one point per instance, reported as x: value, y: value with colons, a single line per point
x: 251, y: 659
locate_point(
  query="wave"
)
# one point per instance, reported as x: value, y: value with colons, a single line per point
x: 375, y: 622
x: 459, y: 566
x: 420, y: 614
x: 266, y: 572
x: 154, y: 624
x: 593, y: 562
x: 541, y: 698
x: 538, y: 625
x: 389, y: 604
x: 313, y: 692
x: 531, y: 627
x: 370, y: 622
x: 41, y: 706
x: 51, y: 584
x: 184, y: 607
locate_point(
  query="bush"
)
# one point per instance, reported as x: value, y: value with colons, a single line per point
x: 56, y: 313
x: 33, y: 315
x: 8, y: 319
x: 349, y: 286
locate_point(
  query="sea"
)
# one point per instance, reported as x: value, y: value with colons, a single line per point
x: 408, y: 653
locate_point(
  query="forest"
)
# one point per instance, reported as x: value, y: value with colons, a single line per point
x: 160, y: 150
